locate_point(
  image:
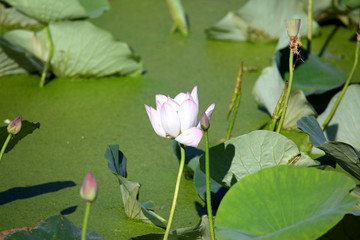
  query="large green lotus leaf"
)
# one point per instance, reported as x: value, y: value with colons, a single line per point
x: 9, y: 65
x: 95, y: 8
x: 80, y: 50
x: 129, y: 189
x: 249, y: 153
x: 55, y: 227
x: 267, y: 91
x: 11, y: 19
x: 344, y: 125
x: 50, y: 10
x: 197, y: 232
x: 253, y: 21
x: 284, y: 203
x: 314, y: 76
x: 344, y: 154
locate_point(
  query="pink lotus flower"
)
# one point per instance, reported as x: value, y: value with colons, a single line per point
x: 89, y: 188
x: 177, y: 118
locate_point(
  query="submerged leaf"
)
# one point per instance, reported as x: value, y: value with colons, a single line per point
x: 197, y: 232
x: 47, y: 11
x: 55, y: 227
x: 253, y: 21
x: 249, y: 153
x: 80, y: 50
x: 283, y: 202
x: 129, y: 189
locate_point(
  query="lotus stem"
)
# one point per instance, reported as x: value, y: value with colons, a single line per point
x: 5, y: 145
x: 176, y: 193
x: 309, y: 34
x: 50, y: 55
x: 208, y: 189
x: 291, y: 75
x: 279, y: 107
x: 86, y: 218
x: 235, y: 102
x: 327, y: 120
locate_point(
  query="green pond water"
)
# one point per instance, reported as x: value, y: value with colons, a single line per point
x: 80, y: 118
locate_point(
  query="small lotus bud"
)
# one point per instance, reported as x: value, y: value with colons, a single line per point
x: 88, y: 189
x: 205, y: 124
x: 15, y: 126
x: 293, y: 27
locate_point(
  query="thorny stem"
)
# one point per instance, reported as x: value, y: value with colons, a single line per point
x: 291, y: 73
x: 235, y: 99
x: 86, y: 218
x: 47, y: 63
x: 177, y: 186
x: 279, y: 107
x: 208, y: 190
x: 344, y: 88
x: 5, y: 145
x: 309, y: 35
x: 231, y: 125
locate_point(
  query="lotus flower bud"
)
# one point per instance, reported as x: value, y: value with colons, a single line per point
x: 88, y: 189
x: 293, y: 27
x: 205, y: 123
x: 15, y: 126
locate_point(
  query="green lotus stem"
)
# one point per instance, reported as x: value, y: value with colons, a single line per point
x: 86, y: 218
x: 235, y: 100
x: 47, y: 63
x: 176, y: 193
x: 231, y: 125
x: 5, y: 145
x: 291, y: 73
x: 309, y: 34
x: 208, y: 190
x: 327, y: 120
x: 279, y: 107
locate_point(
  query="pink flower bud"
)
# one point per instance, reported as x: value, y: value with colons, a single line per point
x: 15, y: 126
x: 205, y: 124
x: 89, y: 189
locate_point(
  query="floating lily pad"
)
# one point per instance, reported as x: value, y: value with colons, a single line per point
x: 249, y: 153
x: 55, y: 227
x: 253, y: 21
x: 284, y: 203
x: 129, y: 189
x: 80, y: 50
